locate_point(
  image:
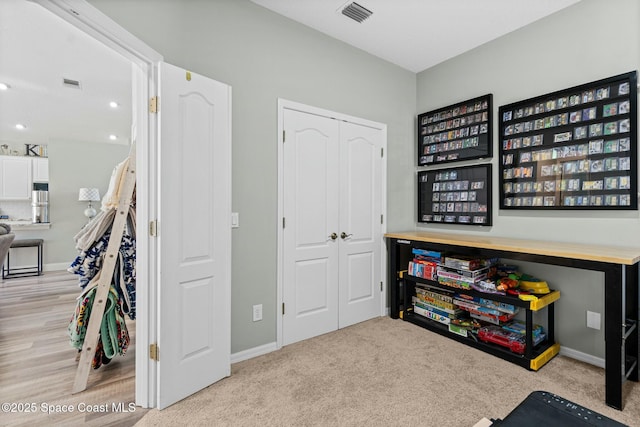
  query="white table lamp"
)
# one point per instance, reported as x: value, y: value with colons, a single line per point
x: 89, y: 195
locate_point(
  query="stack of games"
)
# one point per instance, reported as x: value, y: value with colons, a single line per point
x: 462, y: 272
x: 486, y: 310
x: 435, y: 304
x: 424, y: 263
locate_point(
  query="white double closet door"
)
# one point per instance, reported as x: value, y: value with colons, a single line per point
x: 332, y: 224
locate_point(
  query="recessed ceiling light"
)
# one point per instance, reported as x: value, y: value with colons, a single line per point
x: 113, y: 137
x: 4, y: 86
x: 20, y: 126
x: 113, y: 104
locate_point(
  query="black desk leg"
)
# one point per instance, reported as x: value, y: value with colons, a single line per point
x: 613, y: 325
x: 632, y: 317
x: 392, y: 278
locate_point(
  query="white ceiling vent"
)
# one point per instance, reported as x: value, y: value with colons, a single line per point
x: 356, y: 12
x: 75, y: 84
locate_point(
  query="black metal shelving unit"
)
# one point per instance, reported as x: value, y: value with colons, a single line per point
x: 533, y: 358
x: 621, y: 286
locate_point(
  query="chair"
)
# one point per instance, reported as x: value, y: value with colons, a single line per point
x: 36, y: 270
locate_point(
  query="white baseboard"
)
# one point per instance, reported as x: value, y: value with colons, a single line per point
x: 583, y: 357
x: 253, y: 352
x: 60, y: 266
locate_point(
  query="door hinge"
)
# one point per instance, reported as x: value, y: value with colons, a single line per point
x: 283, y: 222
x: 154, y: 352
x: 153, y: 105
x: 153, y: 228
x: 380, y: 286
x: 381, y: 219
x: 284, y: 136
x: 382, y: 152
x: 283, y: 308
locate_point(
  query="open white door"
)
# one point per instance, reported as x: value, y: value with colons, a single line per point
x: 194, y: 237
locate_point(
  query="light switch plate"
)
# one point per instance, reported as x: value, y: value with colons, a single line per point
x: 235, y: 220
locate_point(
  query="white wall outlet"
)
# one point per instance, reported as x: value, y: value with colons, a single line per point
x: 257, y: 312
x: 593, y: 320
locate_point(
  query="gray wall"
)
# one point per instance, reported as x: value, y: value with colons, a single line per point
x: 71, y: 165
x: 585, y: 42
x: 264, y: 56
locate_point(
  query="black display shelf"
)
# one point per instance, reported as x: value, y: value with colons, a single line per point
x: 533, y: 358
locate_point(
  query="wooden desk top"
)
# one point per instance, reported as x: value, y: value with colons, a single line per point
x: 609, y: 254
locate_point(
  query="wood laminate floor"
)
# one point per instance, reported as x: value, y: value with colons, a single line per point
x: 38, y: 365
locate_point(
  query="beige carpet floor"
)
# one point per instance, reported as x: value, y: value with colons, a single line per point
x: 385, y: 372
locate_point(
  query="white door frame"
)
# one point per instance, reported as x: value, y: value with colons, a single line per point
x: 292, y: 105
x: 94, y: 23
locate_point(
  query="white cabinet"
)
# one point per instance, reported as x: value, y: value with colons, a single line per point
x: 15, y: 178
x: 40, y: 168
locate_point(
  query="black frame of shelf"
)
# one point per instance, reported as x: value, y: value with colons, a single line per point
x: 531, y: 351
x: 504, y: 353
x: 557, y: 164
x: 451, y: 136
x: 509, y: 299
x: 453, y: 205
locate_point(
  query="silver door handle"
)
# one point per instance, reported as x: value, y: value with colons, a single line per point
x: 333, y: 236
x: 344, y: 235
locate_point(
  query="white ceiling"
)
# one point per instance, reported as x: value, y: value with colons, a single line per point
x: 38, y: 50
x: 417, y: 34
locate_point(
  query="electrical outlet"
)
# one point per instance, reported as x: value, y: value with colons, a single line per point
x: 593, y: 320
x: 257, y: 312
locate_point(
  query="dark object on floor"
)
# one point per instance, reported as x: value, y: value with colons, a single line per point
x: 8, y: 272
x: 541, y: 408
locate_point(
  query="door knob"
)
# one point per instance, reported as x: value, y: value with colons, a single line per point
x: 344, y: 235
x: 333, y: 236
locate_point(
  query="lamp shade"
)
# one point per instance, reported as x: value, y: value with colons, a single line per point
x: 89, y: 195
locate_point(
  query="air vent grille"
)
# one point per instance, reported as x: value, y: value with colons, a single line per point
x: 356, y: 12
x: 71, y: 83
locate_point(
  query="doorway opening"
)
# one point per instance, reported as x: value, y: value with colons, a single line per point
x: 93, y: 24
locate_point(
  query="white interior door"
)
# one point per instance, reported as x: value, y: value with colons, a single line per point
x: 194, y: 238
x: 360, y: 223
x: 310, y: 219
x: 332, y: 183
